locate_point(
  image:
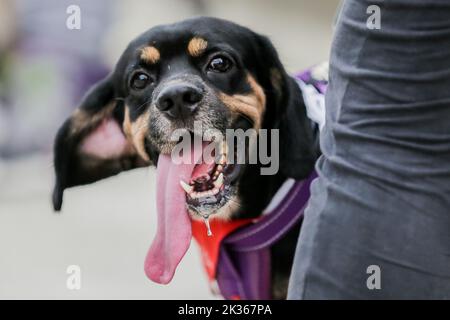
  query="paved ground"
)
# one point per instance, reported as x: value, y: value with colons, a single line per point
x: 104, y: 228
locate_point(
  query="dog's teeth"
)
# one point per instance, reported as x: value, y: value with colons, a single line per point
x: 194, y: 195
x: 218, y: 183
x: 208, y: 193
x: 197, y: 195
x: 186, y: 187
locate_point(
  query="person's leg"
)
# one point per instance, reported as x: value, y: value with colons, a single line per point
x: 383, y: 193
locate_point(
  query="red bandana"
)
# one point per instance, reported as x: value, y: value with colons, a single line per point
x: 210, y: 245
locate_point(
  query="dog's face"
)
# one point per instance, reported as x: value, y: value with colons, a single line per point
x: 173, y: 76
x: 194, y: 72
x: 201, y: 71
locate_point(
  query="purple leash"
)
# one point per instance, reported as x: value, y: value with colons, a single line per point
x: 243, y: 271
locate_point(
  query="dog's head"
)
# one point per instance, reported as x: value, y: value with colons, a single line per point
x: 200, y: 71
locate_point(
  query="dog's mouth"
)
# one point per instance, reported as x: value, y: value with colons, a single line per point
x: 211, y: 186
x: 192, y: 187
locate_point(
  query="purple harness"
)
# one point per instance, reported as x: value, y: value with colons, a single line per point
x: 243, y: 270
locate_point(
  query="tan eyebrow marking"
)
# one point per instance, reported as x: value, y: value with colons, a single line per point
x: 197, y: 46
x: 150, y: 55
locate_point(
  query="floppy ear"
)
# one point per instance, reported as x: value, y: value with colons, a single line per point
x: 91, y: 144
x: 286, y: 111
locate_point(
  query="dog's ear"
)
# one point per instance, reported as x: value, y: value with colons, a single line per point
x: 286, y: 111
x: 91, y: 144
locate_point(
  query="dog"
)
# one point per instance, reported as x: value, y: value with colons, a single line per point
x: 205, y: 70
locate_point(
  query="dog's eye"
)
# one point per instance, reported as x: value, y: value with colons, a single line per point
x: 219, y: 64
x: 140, y: 80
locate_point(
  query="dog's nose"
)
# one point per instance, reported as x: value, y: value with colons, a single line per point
x: 179, y: 101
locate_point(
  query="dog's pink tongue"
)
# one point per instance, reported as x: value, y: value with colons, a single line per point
x: 174, y: 233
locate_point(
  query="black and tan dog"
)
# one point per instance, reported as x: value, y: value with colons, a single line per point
x: 203, y: 69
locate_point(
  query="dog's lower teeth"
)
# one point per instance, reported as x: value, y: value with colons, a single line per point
x: 196, y: 195
x: 201, y: 186
x: 201, y: 194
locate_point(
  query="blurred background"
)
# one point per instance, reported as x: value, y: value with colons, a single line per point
x: 105, y: 228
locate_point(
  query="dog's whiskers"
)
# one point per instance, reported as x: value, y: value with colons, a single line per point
x: 143, y: 105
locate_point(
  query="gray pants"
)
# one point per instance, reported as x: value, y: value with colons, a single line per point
x: 383, y: 194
